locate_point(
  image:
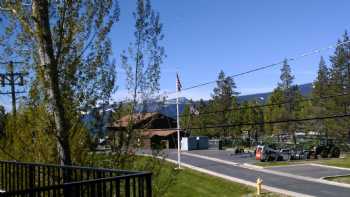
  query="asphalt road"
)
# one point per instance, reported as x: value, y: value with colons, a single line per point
x: 281, y: 182
x: 227, y: 155
x: 311, y: 171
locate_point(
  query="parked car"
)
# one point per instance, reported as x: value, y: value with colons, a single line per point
x: 285, y: 154
x: 265, y: 153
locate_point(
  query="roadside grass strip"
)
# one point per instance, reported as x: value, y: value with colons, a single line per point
x: 230, y: 178
x: 237, y: 180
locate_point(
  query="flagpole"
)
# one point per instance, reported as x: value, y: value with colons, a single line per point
x: 178, y: 122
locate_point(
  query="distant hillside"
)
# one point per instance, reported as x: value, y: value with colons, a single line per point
x: 169, y: 108
x: 305, y: 90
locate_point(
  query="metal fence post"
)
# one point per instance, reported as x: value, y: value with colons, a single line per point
x: 149, y: 185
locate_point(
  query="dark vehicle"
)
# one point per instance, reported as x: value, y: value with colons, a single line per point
x: 327, y: 149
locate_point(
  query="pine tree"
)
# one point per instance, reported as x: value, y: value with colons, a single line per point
x: 286, y: 92
x: 340, y: 84
x: 322, y: 81
x: 274, y: 113
x: 286, y: 78
x: 224, y: 95
x: 320, y: 89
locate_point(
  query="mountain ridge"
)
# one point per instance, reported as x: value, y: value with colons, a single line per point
x: 170, y: 109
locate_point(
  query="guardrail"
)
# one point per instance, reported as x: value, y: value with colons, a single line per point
x: 33, y: 179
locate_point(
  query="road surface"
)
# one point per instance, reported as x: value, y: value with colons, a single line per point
x: 278, y: 181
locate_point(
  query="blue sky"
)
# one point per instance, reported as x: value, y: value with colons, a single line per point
x: 204, y: 36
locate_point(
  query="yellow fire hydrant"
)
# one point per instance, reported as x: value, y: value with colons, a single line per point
x: 259, y: 182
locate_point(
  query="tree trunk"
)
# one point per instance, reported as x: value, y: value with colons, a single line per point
x: 46, y: 54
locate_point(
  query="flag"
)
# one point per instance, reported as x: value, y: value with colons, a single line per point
x: 178, y: 83
x: 193, y: 110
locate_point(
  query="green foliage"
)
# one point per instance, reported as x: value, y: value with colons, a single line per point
x: 164, y: 174
x: 169, y: 182
x: 144, y: 56
x: 67, y: 51
x: 224, y: 98
x: 291, y: 107
x: 30, y: 136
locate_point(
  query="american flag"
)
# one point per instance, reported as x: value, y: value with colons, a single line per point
x: 178, y: 83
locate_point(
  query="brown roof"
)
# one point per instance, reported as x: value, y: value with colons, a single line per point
x: 158, y: 132
x: 137, y: 118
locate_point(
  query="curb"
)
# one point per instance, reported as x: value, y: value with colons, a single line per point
x: 304, y: 178
x: 328, y: 166
x: 229, y: 178
x: 252, y: 166
x: 211, y: 158
x: 241, y: 181
x: 335, y: 176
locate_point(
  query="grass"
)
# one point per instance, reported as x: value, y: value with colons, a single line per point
x: 277, y: 163
x: 187, y: 182
x: 190, y: 183
x: 340, y: 179
x: 338, y: 162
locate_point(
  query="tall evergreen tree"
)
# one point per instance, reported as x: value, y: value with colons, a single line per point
x: 286, y: 78
x: 320, y: 89
x: 224, y: 95
x: 286, y: 92
x: 321, y: 83
x: 340, y: 84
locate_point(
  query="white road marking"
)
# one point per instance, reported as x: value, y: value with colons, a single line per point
x: 316, y: 180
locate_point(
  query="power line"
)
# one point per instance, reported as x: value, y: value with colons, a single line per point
x: 12, y: 79
x: 259, y: 68
x: 268, y: 122
x: 268, y: 105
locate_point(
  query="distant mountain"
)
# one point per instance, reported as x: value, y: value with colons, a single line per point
x: 169, y: 108
x: 305, y: 90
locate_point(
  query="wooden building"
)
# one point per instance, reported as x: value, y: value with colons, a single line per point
x: 155, y: 130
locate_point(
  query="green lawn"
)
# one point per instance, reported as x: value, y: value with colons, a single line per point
x: 186, y: 182
x: 338, y: 162
x: 277, y: 163
x: 190, y: 183
x: 340, y: 179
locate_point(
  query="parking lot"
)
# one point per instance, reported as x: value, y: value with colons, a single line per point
x: 310, y: 170
x: 307, y: 170
x: 227, y: 155
x: 303, y: 180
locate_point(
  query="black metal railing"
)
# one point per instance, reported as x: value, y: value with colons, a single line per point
x: 32, y: 179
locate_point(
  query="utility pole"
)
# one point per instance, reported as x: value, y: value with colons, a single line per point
x: 12, y: 79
